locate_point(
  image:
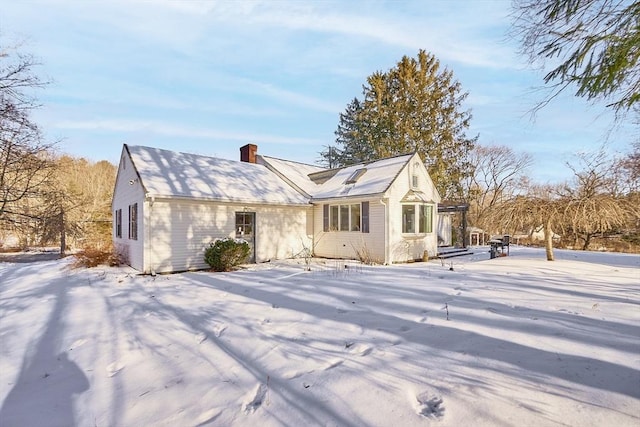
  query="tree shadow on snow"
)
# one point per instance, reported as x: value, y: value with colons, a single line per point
x: 588, y: 371
x: 43, y: 393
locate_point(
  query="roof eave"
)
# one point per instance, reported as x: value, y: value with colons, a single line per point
x: 226, y: 200
x: 349, y: 196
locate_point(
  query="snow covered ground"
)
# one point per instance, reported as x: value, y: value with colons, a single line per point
x: 514, y: 341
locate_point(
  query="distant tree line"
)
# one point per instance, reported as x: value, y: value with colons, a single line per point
x: 600, y: 201
x: 45, y: 198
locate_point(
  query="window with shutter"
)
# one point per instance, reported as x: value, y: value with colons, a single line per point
x: 365, y: 217
x: 325, y: 218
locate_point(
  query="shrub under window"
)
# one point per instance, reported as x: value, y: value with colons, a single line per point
x: 225, y: 254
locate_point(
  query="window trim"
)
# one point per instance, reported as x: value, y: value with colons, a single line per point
x: 419, y: 211
x: 364, y: 216
x: 355, y: 176
x: 335, y: 215
x: 423, y: 209
x: 405, y: 217
x: 133, y: 221
x: 355, y: 227
x: 344, y: 213
x: 118, y: 215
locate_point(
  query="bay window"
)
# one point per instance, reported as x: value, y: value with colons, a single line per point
x: 417, y: 218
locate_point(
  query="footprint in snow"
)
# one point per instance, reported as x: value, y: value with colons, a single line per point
x: 201, y: 337
x: 360, y: 349
x: 333, y: 364
x: 77, y: 343
x: 430, y: 406
x: 208, y: 417
x: 114, y: 368
x: 218, y: 330
x: 259, y: 398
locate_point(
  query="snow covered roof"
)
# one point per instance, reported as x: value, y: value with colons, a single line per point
x: 358, y: 180
x: 167, y: 173
x: 376, y: 178
x: 296, y: 173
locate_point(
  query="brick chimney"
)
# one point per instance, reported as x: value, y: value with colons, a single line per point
x: 248, y: 153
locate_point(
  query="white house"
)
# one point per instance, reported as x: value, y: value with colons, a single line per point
x: 169, y: 206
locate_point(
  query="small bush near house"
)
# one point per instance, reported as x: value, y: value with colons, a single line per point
x: 92, y: 256
x: 364, y: 254
x: 225, y: 254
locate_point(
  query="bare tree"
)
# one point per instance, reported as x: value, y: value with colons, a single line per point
x: 592, y: 205
x: 25, y: 168
x: 25, y: 164
x: 539, y: 208
x: 498, y: 173
x: 628, y: 170
x: 87, y: 188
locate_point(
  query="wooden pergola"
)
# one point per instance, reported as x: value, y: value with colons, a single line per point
x: 455, y: 207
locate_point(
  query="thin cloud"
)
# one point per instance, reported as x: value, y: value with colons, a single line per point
x: 287, y: 96
x: 163, y: 129
x: 462, y: 43
x: 188, y: 26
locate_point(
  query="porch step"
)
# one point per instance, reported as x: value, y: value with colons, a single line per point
x: 444, y: 253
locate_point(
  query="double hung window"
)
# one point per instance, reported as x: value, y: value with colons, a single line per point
x: 417, y: 218
x: 344, y: 217
x: 133, y: 221
x: 118, y: 221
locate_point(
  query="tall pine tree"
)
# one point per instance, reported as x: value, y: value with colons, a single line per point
x: 413, y: 107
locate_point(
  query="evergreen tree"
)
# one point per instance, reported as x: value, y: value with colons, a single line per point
x: 592, y: 45
x: 413, y: 107
x: 350, y: 137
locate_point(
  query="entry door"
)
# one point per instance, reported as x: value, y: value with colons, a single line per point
x: 245, y: 229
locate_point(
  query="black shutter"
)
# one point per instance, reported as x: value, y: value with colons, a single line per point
x: 325, y: 218
x: 365, y: 217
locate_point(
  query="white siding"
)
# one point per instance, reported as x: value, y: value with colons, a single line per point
x: 282, y: 232
x: 385, y: 242
x: 347, y: 244
x: 407, y: 247
x: 180, y: 231
x: 128, y: 191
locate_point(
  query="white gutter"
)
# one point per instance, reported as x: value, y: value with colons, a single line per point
x: 387, y: 249
x: 151, y: 200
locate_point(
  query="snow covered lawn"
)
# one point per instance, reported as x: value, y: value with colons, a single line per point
x: 514, y: 341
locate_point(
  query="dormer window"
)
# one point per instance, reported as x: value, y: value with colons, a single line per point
x: 355, y: 176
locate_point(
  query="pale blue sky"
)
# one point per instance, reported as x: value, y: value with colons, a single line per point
x: 210, y: 76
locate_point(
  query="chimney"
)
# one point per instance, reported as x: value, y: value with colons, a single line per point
x: 248, y: 153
